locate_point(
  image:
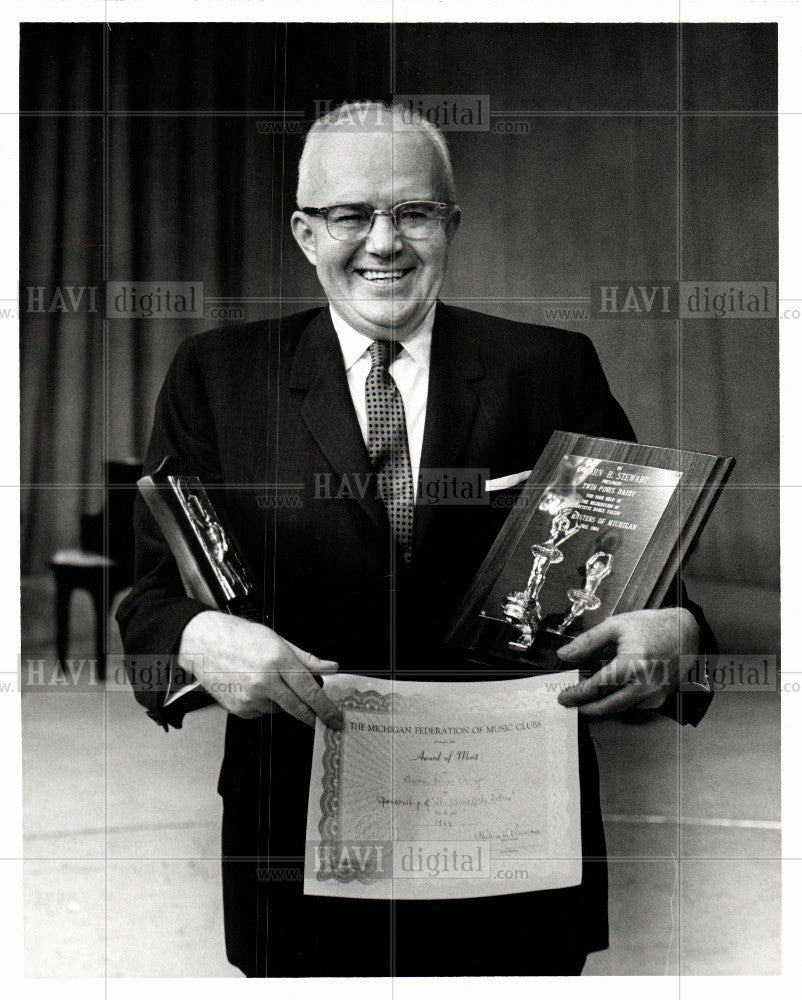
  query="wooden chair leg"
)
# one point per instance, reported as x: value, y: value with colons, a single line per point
x: 63, y: 600
x: 101, y: 620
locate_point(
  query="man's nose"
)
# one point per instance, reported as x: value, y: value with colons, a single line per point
x: 383, y: 240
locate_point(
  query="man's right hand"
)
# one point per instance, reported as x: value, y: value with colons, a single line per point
x: 249, y: 669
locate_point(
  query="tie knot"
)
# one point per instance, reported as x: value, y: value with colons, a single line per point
x: 383, y: 353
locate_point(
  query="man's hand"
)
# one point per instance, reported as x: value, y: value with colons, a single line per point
x: 249, y: 669
x: 646, y: 668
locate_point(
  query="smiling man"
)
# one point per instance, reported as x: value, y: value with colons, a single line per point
x: 381, y: 270
x: 384, y: 383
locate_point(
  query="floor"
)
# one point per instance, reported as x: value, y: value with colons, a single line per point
x: 121, y: 825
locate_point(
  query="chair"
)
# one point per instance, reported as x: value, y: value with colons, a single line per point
x: 104, y: 564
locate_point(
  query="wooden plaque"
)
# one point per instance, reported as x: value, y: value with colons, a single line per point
x: 212, y: 566
x: 601, y: 527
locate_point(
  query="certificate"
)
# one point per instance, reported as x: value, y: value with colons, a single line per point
x: 444, y: 790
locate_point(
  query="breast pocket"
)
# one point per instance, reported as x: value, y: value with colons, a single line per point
x: 504, y: 492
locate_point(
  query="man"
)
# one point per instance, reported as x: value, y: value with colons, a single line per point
x: 359, y: 578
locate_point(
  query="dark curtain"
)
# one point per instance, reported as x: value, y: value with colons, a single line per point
x: 143, y: 159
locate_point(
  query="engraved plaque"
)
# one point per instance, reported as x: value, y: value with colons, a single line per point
x: 601, y: 527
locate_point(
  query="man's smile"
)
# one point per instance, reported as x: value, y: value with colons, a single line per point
x: 383, y: 276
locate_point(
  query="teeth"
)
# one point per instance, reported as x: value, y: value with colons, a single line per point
x: 381, y: 275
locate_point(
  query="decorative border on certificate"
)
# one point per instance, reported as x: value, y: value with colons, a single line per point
x: 329, y: 826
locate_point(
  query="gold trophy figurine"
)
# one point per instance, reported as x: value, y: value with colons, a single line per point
x: 522, y: 608
x: 598, y: 566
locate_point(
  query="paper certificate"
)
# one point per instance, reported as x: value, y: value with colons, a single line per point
x: 444, y: 790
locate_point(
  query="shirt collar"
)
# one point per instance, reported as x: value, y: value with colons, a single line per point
x: 354, y: 344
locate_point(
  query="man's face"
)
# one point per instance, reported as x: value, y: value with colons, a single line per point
x: 383, y: 284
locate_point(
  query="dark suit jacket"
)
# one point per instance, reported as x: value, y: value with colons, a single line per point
x: 264, y: 409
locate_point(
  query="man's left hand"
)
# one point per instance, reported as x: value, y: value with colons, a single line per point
x: 646, y: 667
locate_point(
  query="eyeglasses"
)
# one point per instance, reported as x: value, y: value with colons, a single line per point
x: 414, y: 220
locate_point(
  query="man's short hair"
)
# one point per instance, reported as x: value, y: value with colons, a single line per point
x: 358, y: 116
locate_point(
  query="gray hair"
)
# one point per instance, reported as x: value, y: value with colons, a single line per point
x: 357, y: 116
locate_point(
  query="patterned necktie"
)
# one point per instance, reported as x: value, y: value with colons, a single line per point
x: 387, y: 443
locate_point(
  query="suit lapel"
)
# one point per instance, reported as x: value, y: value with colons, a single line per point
x: 455, y: 370
x: 328, y: 412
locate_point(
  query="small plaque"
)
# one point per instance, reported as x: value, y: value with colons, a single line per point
x: 211, y: 564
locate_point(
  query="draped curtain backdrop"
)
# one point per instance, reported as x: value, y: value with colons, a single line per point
x: 147, y: 155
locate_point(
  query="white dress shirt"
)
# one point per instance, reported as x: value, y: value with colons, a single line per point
x: 410, y: 370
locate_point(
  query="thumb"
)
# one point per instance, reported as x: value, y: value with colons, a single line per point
x: 591, y: 641
x: 311, y: 662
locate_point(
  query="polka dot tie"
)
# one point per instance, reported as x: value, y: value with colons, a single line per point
x: 387, y: 443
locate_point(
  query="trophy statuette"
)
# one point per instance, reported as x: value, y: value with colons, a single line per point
x: 598, y: 566
x: 522, y: 607
x: 223, y: 559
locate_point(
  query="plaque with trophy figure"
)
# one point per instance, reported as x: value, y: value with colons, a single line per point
x: 601, y: 527
x: 210, y: 562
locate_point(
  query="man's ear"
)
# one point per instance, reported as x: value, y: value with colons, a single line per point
x: 453, y: 223
x: 304, y: 236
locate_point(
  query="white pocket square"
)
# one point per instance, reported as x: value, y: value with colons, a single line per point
x: 505, y: 482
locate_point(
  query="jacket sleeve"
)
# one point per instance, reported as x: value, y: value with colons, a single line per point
x: 593, y: 408
x: 689, y: 703
x: 601, y: 415
x: 154, y: 614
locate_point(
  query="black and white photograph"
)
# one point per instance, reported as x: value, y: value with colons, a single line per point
x: 400, y: 497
